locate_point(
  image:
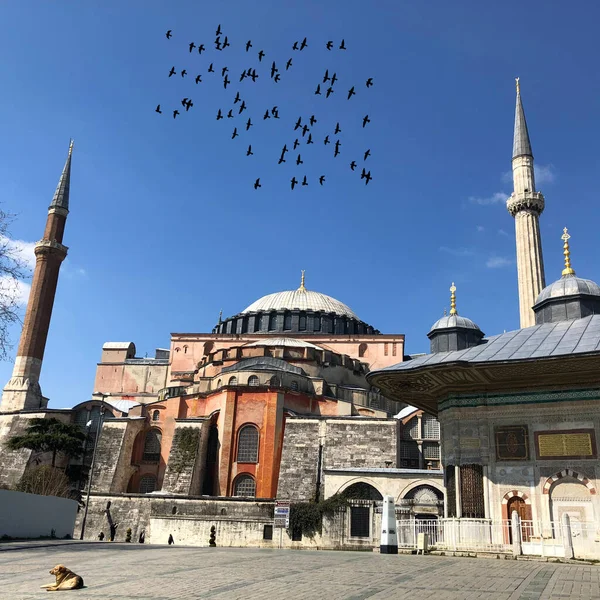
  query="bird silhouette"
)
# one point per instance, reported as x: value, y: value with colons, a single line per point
x: 225, y: 43
x: 218, y: 43
x: 299, y: 161
x: 322, y: 179
x: 183, y: 101
x: 366, y: 120
x: 353, y: 165
x: 312, y: 120
x: 337, y: 129
x: 304, y: 182
x: 243, y: 75
x: 237, y: 98
x: 169, y: 34
x: 281, y: 160
x: 367, y: 154
x: 326, y: 76
x: 249, y: 151
x: 158, y: 109
x: 201, y: 48
x: 260, y: 56
x: 342, y: 46
x: 210, y: 68
x: 192, y: 46
x: 294, y: 182
x: 183, y: 73
x: 277, y: 78
x: 175, y: 113
x: 218, y: 32
x: 304, y: 130
x: 235, y: 133
x: 275, y: 112
x: 351, y: 92
x: 198, y: 79
x: 283, y: 151
x: 288, y: 64
x: 188, y: 104
x: 172, y: 72
x: 248, y: 124
x: 230, y: 114
x: 219, y: 115
x: 274, y: 69
x: 303, y: 44
x: 329, y: 92
x: 366, y: 175
x: 254, y: 75
x: 295, y: 46
x: 337, y: 148
x: 329, y: 45
x: 318, y: 90
x: 257, y: 184
x: 298, y: 123
x: 226, y: 82
x: 326, y: 140
x: 334, y: 78
x: 267, y: 115
x: 309, y: 140
x: 223, y: 71
x: 296, y: 143
x: 242, y: 107
x: 369, y: 82
x: 248, y: 45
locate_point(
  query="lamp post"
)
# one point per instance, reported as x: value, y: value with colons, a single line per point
x: 89, y: 485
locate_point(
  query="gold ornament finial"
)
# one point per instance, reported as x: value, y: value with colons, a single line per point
x: 302, y: 288
x: 453, y: 310
x: 567, y: 252
x: 518, y: 85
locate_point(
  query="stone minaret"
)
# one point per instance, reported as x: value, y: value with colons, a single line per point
x: 23, y: 391
x: 526, y: 205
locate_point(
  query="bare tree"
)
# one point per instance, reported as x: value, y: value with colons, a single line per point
x: 13, y: 269
x: 45, y: 480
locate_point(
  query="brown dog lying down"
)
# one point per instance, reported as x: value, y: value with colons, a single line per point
x: 65, y: 580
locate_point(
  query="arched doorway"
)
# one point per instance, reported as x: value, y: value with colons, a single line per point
x: 211, y: 466
x: 362, y: 497
x: 571, y: 496
x: 518, y: 505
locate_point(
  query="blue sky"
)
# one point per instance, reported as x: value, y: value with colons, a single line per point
x: 165, y: 228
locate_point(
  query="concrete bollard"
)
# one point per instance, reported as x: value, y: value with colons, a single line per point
x: 515, y: 526
x: 389, y: 536
x: 567, y: 536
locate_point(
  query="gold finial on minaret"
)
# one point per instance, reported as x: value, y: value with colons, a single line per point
x: 302, y: 288
x: 453, y: 310
x: 518, y: 85
x: 566, y: 237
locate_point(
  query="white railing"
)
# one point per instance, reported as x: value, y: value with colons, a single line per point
x: 483, y: 535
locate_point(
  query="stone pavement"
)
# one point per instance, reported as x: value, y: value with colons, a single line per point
x: 119, y: 571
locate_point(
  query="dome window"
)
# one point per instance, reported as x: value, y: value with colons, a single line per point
x: 294, y: 386
x: 272, y: 321
x: 287, y: 321
x: 253, y: 380
x: 302, y: 322
x: 232, y: 380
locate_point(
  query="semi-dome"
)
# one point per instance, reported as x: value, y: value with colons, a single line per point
x: 569, y: 285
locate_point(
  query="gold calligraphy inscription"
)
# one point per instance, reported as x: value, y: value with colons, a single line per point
x: 565, y: 444
x: 470, y: 443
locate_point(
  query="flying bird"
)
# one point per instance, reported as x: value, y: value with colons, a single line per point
x: 183, y: 73
x: 294, y: 182
x: 367, y: 154
x: 242, y: 107
x: 366, y: 120
x: 337, y: 148
x: 237, y: 98
x: 230, y: 114
x: 304, y: 182
x: 309, y: 140
x: 225, y: 43
x: 198, y: 79
x: 248, y: 45
x: 288, y: 64
x: 277, y: 78
x: 369, y: 82
x: 172, y: 71
x: 312, y: 120
x: 248, y: 124
x: 257, y: 184
x: 337, y: 129
x: 318, y: 90
x: 169, y: 34
x: 267, y: 115
x: 283, y: 151
x: 219, y: 115
x: 274, y: 69
x: 243, y: 75
x: 366, y: 176
x: 326, y: 140
x: 218, y: 43
x: 158, y: 109
x: 322, y: 179
x: 201, y: 48
x: 329, y: 45
x: 329, y: 92
x: 334, y: 78
x: 326, y: 76
x: 218, y: 32
x: 296, y: 143
x: 260, y: 56
x: 295, y: 46
x: 281, y: 160
x: 254, y: 75
x: 249, y: 151
x: 275, y: 112
x: 235, y: 133
x: 223, y: 71
x: 304, y: 130
x: 298, y: 123
x: 226, y: 82
x: 192, y: 46
x: 175, y: 113
x: 342, y: 46
x: 351, y: 92
x: 353, y: 165
x: 210, y: 68
x: 299, y: 161
x: 303, y: 44
x: 188, y: 104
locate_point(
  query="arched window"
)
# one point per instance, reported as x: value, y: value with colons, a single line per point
x: 362, y: 350
x: 302, y: 322
x: 247, y: 444
x: 258, y: 321
x: 232, y: 380
x: 156, y: 415
x: 147, y: 484
x: 152, y: 446
x: 287, y: 321
x: 245, y: 486
x: 253, y: 380
x: 294, y: 386
x: 316, y: 323
x: 274, y: 381
x: 272, y: 321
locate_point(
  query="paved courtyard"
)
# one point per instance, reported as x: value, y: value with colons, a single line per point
x: 117, y: 571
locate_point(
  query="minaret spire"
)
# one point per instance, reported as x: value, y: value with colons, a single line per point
x: 526, y: 205
x: 23, y: 391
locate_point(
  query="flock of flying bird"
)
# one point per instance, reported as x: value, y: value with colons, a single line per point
x: 221, y: 43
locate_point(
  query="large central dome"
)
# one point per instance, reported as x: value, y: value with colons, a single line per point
x: 300, y: 299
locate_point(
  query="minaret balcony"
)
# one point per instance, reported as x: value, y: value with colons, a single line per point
x: 529, y: 201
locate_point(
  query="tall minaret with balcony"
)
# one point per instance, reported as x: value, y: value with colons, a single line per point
x: 526, y: 205
x: 23, y: 391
